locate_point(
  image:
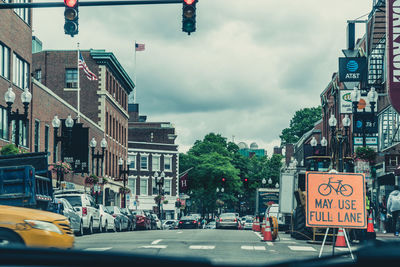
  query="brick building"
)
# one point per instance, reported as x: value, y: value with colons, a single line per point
x: 15, y: 66
x: 104, y: 101
x: 152, y: 149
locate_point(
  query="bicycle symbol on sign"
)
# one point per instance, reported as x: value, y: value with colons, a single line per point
x: 345, y: 190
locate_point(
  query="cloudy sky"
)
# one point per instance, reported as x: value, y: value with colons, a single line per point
x: 245, y: 71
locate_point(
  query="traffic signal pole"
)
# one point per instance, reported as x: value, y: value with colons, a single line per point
x: 89, y: 3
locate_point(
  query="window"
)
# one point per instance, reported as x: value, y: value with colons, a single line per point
x: 23, y: 133
x: 37, y: 137
x: 132, y: 159
x: 71, y: 78
x: 3, y: 124
x: 23, y: 13
x: 167, y: 163
x: 167, y: 187
x: 388, y: 123
x: 20, y: 72
x: 144, y: 162
x: 154, y: 187
x: 132, y: 185
x: 143, y: 187
x: 38, y: 75
x: 4, y: 61
x: 155, y: 163
x: 46, y: 138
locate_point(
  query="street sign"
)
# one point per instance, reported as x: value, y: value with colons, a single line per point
x: 352, y: 69
x: 335, y: 200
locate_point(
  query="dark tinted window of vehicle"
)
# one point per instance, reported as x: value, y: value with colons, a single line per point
x: 75, y: 201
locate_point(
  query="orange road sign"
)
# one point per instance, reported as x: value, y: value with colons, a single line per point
x: 335, y: 200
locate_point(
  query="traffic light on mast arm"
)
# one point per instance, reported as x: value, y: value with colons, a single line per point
x: 223, y: 180
x: 189, y: 16
x: 71, y: 17
x: 246, y: 183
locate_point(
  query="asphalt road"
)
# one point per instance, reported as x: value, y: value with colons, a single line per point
x: 219, y: 246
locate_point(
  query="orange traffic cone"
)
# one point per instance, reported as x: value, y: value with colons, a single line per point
x: 340, y: 241
x: 257, y: 225
x: 263, y: 227
x: 253, y: 227
x: 370, y: 225
x: 267, y: 232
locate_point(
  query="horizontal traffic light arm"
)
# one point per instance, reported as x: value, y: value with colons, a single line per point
x: 89, y: 3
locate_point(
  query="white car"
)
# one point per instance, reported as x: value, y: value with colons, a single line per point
x: 274, y: 211
x: 84, y: 204
x: 169, y: 224
x: 158, y: 222
x: 107, y: 221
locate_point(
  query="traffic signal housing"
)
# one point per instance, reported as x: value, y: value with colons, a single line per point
x: 223, y: 180
x: 189, y: 16
x: 246, y: 183
x: 71, y: 17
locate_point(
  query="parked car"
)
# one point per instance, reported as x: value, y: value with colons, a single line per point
x: 211, y: 225
x: 169, y: 224
x: 227, y: 220
x: 84, y: 204
x: 153, y: 222
x: 142, y: 221
x: 197, y: 216
x: 121, y: 221
x: 248, y: 224
x: 188, y: 222
x: 107, y: 220
x: 132, y: 218
x: 157, y: 221
x: 63, y: 207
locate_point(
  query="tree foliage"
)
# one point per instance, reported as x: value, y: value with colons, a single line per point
x: 9, y: 149
x: 302, y: 121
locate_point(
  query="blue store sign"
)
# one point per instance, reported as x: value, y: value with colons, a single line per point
x: 352, y: 69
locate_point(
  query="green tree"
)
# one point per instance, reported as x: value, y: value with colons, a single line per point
x: 302, y: 121
x: 9, y: 149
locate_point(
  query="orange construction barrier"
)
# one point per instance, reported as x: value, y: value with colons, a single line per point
x: 340, y: 241
x: 267, y: 232
x: 370, y: 225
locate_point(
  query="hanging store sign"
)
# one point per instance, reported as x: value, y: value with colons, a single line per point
x: 346, y: 104
x: 352, y: 69
x: 393, y: 51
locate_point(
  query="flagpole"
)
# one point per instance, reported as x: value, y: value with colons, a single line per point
x: 134, y: 75
x: 79, y: 91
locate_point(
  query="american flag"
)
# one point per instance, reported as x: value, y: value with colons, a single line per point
x: 82, y: 65
x: 139, y: 47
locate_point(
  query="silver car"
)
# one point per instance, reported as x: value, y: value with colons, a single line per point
x: 227, y: 220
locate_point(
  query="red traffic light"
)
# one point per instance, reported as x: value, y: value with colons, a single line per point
x: 70, y: 3
x: 223, y: 179
x: 245, y: 179
x: 189, y: 2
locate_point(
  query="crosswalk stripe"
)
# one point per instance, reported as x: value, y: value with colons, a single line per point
x: 154, y: 246
x: 301, y: 248
x: 259, y: 248
x: 201, y: 247
x: 269, y: 243
x: 97, y: 249
x: 253, y: 247
x: 155, y: 242
x: 285, y: 239
x: 247, y: 247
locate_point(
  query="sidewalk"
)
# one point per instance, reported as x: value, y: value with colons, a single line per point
x: 388, y: 237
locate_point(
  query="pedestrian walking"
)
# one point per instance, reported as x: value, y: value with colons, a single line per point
x: 393, y: 207
x: 383, y: 213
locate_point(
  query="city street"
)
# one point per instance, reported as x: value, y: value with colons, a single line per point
x: 219, y: 246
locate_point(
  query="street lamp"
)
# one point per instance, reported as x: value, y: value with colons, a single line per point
x: 277, y: 185
x: 98, y: 156
x: 26, y: 98
x: 56, y: 122
x: 337, y: 138
x: 123, y: 172
x: 270, y: 181
x: 160, y: 184
x: 263, y: 181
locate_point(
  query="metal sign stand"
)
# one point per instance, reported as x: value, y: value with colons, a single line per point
x: 333, y: 249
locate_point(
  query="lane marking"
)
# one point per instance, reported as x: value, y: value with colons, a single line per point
x: 288, y: 242
x: 259, y: 248
x: 97, y: 249
x: 286, y: 239
x: 301, y: 248
x: 154, y: 246
x: 201, y: 247
x: 155, y: 242
x: 253, y: 247
x: 342, y: 249
x: 180, y: 232
x: 269, y: 243
x: 258, y: 234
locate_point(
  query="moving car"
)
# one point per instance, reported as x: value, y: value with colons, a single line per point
x: 211, y: 225
x: 157, y: 221
x: 121, y: 221
x: 142, y: 221
x: 188, y: 222
x: 34, y: 228
x: 63, y: 207
x: 107, y: 220
x: 84, y: 204
x: 132, y: 218
x: 248, y: 225
x: 227, y: 220
x: 169, y: 224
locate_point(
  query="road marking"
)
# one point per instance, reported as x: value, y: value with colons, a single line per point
x: 258, y: 234
x: 97, y: 249
x: 180, y: 232
x: 155, y: 242
x: 154, y: 246
x: 269, y: 243
x: 301, y: 248
x: 253, y: 247
x: 286, y: 239
x: 288, y: 242
x: 201, y: 247
x: 342, y: 249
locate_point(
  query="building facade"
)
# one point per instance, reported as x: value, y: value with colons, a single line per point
x: 152, y: 150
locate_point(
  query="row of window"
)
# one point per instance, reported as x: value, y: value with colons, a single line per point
x: 37, y: 134
x: 144, y: 185
x: 23, y: 129
x: 115, y: 129
x: 155, y: 162
x: 116, y: 90
x: 20, y: 67
x: 23, y: 13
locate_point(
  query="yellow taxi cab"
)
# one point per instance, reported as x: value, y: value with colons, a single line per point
x: 34, y: 228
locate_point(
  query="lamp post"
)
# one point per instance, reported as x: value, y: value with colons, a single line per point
x: 160, y: 184
x: 56, y: 122
x: 123, y: 172
x: 98, y: 156
x: 263, y: 181
x: 338, y: 138
x: 314, y: 144
x: 26, y: 98
x: 364, y: 116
